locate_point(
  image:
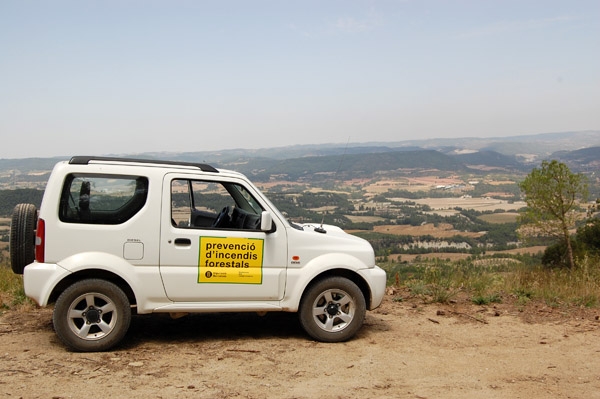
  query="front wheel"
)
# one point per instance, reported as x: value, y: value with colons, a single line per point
x: 332, y: 310
x: 92, y: 315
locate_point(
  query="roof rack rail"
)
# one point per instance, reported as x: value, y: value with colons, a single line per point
x: 85, y: 160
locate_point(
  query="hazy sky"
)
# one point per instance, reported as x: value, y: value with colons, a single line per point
x: 113, y: 77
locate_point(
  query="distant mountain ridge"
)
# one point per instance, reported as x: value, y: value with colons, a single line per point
x: 356, y: 164
x: 489, y: 158
x: 585, y: 159
x: 526, y: 149
x: 580, y: 150
x: 539, y: 146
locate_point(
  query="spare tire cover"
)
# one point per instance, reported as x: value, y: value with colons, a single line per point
x: 22, y: 236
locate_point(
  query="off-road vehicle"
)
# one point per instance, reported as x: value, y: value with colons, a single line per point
x: 114, y: 236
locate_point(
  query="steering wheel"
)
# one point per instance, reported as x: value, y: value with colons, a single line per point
x: 222, y: 218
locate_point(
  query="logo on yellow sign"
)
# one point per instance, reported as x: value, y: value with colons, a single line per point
x: 230, y: 260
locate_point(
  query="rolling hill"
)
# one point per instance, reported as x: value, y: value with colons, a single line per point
x: 580, y: 150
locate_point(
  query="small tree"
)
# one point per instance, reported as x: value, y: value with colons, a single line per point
x: 552, y: 193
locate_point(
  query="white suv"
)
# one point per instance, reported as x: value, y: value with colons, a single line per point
x: 117, y: 235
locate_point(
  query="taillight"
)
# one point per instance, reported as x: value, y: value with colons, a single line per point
x: 40, y: 238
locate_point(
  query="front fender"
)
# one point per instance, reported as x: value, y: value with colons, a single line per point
x: 299, y: 278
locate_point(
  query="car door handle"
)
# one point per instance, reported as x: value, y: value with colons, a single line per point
x: 183, y: 241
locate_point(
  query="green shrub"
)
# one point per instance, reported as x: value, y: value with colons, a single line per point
x: 556, y: 255
x: 589, y: 236
x: 486, y: 299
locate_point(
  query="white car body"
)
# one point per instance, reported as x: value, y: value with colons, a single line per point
x: 161, y: 266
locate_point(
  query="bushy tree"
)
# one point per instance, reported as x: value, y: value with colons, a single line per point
x: 552, y: 193
x: 557, y: 255
x: 589, y: 236
x: 585, y: 242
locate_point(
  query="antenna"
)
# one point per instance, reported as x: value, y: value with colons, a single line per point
x: 320, y: 229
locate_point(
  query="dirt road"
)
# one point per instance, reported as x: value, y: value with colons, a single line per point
x: 405, y: 350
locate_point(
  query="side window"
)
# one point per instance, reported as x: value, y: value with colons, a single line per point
x: 220, y: 205
x: 181, y: 203
x: 102, y: 199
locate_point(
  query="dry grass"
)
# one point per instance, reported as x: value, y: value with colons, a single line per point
x: 559, y: 287
x: 12, y: 295
x: 489, y: 279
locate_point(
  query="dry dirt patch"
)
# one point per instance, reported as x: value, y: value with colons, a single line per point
x: 405, y: 350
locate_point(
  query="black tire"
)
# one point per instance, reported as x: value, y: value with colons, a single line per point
x: 332, y: 310
x: 22, y: 236
x: 92, y: 315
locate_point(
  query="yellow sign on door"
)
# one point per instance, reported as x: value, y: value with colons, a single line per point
x: 230, y: 260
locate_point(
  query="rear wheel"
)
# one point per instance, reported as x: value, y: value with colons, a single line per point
x: 332, y: 310
x: 92, y: 315
x: 22, y: 236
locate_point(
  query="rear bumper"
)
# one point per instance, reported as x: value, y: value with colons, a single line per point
x: 39, y: 279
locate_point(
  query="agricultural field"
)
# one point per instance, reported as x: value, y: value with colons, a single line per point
x: 4, y: 234
x: 470, y: 212
x: 478, y: 204
x: 506, y: 217
x: 442, y: 230
x: 408, y: 184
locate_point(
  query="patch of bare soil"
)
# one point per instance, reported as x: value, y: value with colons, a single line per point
x: 406, y: 349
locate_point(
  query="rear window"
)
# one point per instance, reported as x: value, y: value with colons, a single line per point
x: 102, y: 199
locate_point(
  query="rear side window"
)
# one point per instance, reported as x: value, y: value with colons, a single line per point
x: 102, y: 199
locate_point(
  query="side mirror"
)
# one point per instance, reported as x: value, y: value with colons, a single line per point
x: 266, y: 222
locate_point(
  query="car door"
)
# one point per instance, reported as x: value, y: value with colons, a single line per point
x: 211, y: 249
